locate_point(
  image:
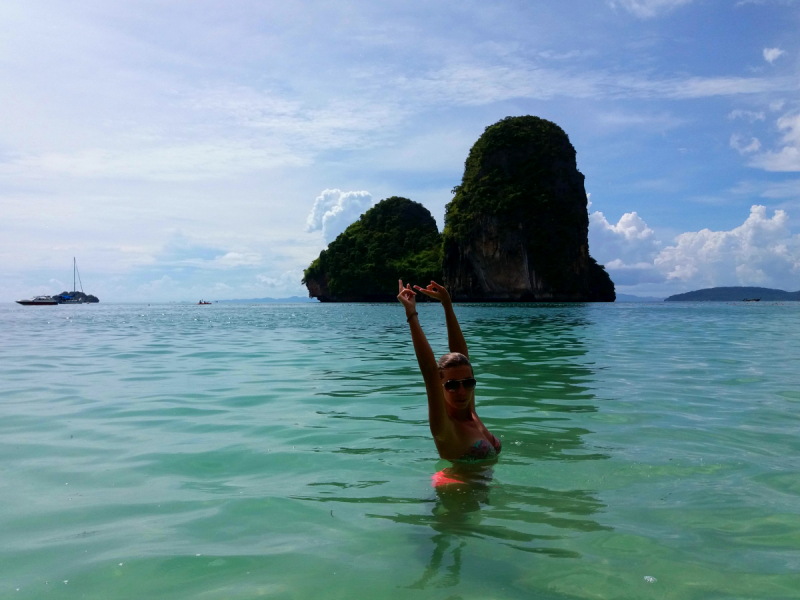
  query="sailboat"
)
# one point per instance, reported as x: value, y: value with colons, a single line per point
x: 75, y: 297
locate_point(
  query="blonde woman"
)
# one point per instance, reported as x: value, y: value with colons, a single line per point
x: 457, y: 431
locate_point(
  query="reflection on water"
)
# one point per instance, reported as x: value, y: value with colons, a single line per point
x: 533, y: 372
x: 460, y: 491
x: 466, y: 496
x: 531, y: 364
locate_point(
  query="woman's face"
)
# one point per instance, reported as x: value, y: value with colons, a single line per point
x: 459, y: 398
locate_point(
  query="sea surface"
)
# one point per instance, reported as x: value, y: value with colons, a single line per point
x: 283, y: 451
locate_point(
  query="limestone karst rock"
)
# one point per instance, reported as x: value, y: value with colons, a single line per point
x: 517, y: 227
x: 396, y: 238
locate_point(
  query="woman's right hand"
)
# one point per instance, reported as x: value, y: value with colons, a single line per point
x: 407, y: 298
x: 435, y: 291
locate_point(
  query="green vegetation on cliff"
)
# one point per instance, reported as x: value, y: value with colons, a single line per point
x: 521, y: 185
x: 396, y: 238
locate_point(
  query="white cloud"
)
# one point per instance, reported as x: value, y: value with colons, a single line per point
x: 750, y: 115
x: 736, y: 144
x: 627, y: 249
x: 334, y: 210
x: 479, y: 84
x: 630, y: 226
x: 789, y: 188
x: 787, y: 159
x: 782, y: 189
x: 283, y: 284
x: 761, y: 251
x: 234, y: 260
x: 647, y: 8
x: 157, y: 287
x: 776, y: 105
x: 553, y: 55
x: 197, y: 161
x: 790, y: 124
x: 707, y: 87
x: 226, y: 261
x: 771, y: 54
x: 641, y: 121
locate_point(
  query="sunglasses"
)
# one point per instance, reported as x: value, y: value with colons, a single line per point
x: 451, y: 385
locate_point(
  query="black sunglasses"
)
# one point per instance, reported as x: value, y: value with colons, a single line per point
x: 451, y: 385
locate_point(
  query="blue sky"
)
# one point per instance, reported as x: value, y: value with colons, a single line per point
x: 211, y: 149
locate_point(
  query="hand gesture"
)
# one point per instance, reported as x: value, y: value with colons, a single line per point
x: 407, y: 297
x: 435, y: 291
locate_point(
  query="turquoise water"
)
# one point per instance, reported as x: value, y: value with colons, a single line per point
x: 282, y: 451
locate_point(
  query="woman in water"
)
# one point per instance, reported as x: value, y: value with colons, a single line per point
x: 457, y: 431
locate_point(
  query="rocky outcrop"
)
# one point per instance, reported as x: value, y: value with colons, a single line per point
x: 75, y: 298
x: 517, y: 228
x: 396, y: 238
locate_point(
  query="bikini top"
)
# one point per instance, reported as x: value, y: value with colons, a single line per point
x: 482, y: 450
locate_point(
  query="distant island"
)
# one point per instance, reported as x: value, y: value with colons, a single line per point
x: 289, y: 300
x: 515, y: 231
x: 734, y: 294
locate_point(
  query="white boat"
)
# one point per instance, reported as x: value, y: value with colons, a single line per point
x: 38, y: 301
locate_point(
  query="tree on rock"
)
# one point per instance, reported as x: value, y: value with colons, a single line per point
x: 517, y: 228
x: 396, y: 238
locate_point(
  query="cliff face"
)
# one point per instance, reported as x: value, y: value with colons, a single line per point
x: 396, y: 238
x: 517, y: 228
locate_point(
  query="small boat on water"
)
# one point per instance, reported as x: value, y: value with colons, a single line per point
x: 39, y: 301
x: 203, y: 302
x: 752, y: 300
x: 73, y: 297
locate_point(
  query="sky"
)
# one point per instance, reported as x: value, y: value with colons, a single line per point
x: 206, y: 149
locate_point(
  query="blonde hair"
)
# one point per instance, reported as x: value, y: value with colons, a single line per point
x: 453, y: 359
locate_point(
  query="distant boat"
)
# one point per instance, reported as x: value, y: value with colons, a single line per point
x: 39, y: 301
x: 76, y: 297
x: 752, y: 300
x: 203, y: 302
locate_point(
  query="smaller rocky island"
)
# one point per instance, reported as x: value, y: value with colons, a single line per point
x: 396, y: 238
x: 735, y: 294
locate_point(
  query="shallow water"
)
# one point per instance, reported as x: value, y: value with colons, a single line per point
x: 282, y: 451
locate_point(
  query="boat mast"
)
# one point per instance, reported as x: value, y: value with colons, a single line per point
x: 75, y: 270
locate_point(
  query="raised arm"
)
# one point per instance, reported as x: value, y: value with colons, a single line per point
x: 455, y: 339
x: 437, y: 413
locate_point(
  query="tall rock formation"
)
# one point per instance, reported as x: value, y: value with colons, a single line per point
x: 517, y: 228
x: 396, y: 238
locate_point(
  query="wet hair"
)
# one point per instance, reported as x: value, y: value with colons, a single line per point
x: 453, y: 359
